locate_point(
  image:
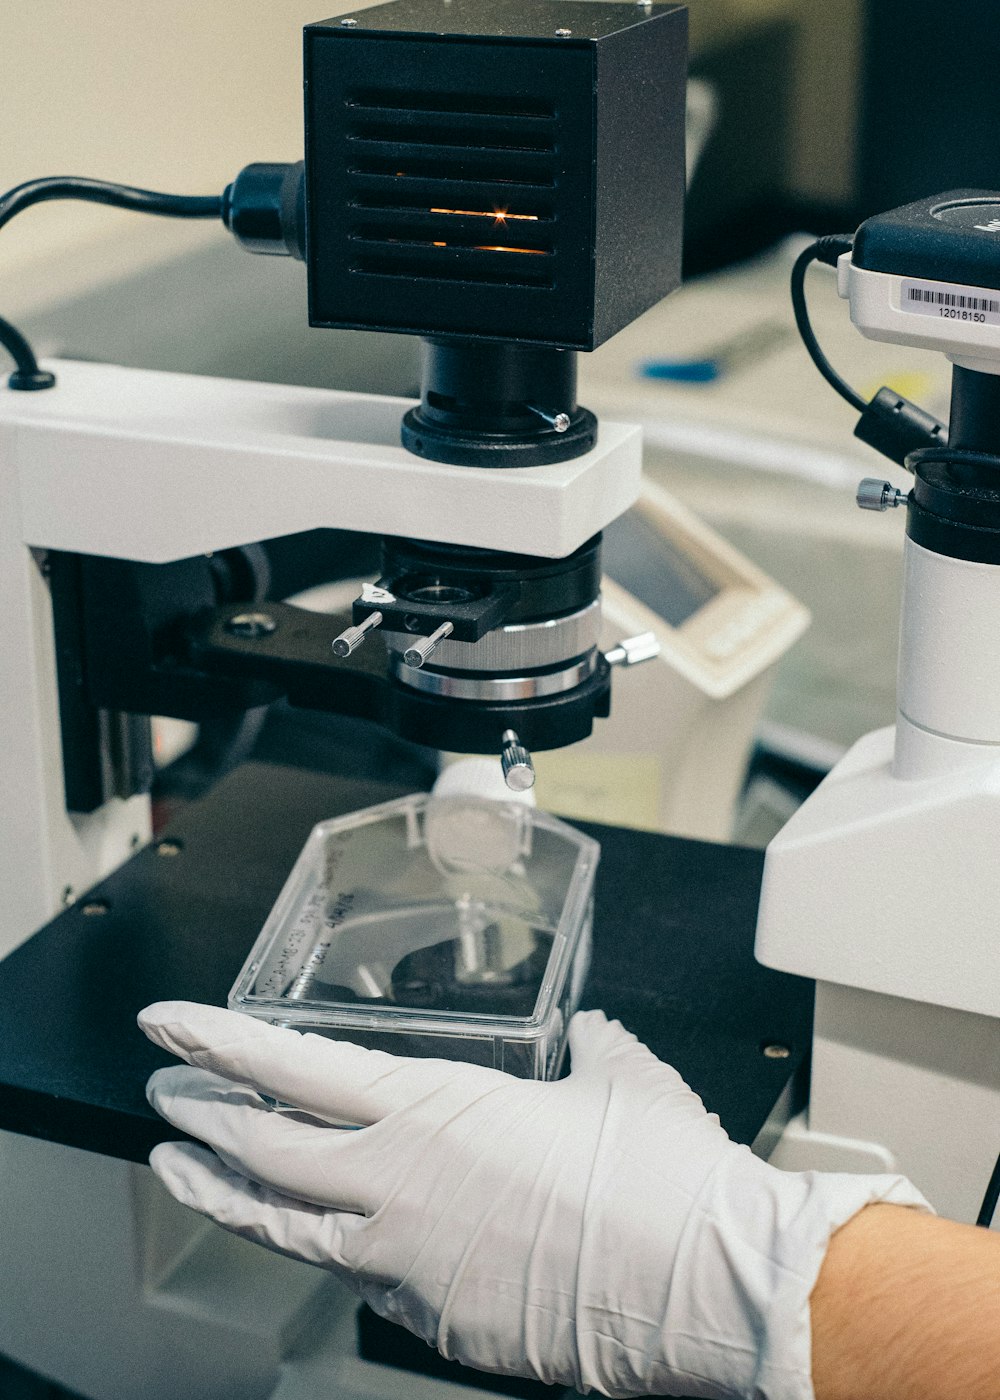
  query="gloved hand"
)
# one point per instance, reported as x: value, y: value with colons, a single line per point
x: 601, y: 1231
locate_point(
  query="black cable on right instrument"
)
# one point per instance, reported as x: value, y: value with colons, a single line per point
x: 991, y: 1200
x: 890, y: 423
x: 826, y: 250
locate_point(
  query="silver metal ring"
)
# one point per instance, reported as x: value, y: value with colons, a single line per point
x: 498, y: 688
x: 519, y: 647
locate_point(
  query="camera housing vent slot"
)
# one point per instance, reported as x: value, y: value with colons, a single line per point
x: 456, y: 188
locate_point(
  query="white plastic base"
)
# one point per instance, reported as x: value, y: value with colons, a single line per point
x: 800, y: 1149
x: 139, y: 464
x: 116, y: 1292
x: 884, y: 889
x: 891, y: 885
x: 901, y: 1086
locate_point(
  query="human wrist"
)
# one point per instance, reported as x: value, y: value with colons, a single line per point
x: 746, y: 1268
x: 906, y: 1307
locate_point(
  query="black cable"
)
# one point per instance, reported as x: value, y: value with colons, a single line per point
x: 28, y: 375
x: 826, y: 250
x: 991, y: 1200
x: 176, y: 206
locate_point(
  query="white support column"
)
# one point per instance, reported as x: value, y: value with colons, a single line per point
x: 922, y: 1081
x: 883, y: 887
x: 47, y: 857
x: 949, y: 664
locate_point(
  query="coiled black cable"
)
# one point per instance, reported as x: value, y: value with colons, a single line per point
x: 890, y: 423
x: 826, y: 250
x: 28, y: 374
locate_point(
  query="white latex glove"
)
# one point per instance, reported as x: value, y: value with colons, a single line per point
x: 601, y: 1231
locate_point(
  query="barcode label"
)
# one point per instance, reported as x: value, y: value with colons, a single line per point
x: 951, y: 303
x: 953, y: 299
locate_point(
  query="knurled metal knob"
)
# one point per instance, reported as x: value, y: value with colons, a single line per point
x: 352, y: 637
x: 515, y: 760
x: 879, y: 495
x: 418, y: 653
x: 630, y: 651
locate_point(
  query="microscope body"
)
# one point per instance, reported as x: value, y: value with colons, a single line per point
x: 884, y: 885
x: 504, y: 180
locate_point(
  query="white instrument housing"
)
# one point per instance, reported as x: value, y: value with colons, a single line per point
x: 962, y: 322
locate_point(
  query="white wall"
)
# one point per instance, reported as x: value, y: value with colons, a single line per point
x: 180, y: 94
x: 170, y: 94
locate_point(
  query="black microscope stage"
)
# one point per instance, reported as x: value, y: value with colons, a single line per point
x: 673, y: 959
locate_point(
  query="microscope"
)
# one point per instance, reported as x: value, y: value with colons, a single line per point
x: 883, y: 886
x: 503, y: 180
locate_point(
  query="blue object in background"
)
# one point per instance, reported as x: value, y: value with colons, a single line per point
x: 682, y: 371
x: 751, y: 344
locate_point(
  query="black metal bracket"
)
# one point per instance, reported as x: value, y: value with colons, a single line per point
x: 292, y: 651
x: 106, y: 753
x: 471, y: 618
x: 154, y: 639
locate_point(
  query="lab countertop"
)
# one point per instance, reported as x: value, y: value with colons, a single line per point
x: 673, y: 959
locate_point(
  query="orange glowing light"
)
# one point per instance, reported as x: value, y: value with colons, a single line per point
x: 499, y: 216
x: 505, y: 248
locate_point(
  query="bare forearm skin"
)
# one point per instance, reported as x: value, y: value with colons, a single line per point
x: 907, y: 1307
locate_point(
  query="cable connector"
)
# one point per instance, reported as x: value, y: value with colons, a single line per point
x: 265, y: 209
x: 831, y: 247
x: 896, y: 427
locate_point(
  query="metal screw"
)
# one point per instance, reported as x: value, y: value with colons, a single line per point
x: 418, y: 653
x: 94, y: 908
x: 515, y: 760
x: 879, y: 495
x: 559, y: 421
x: 352, y: 637
x: 632, y: 650
x: 348, y: 24
x: 251, y: 624
x: 169, y: 847
x: 776, y: 1052
x: 563, y: 33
